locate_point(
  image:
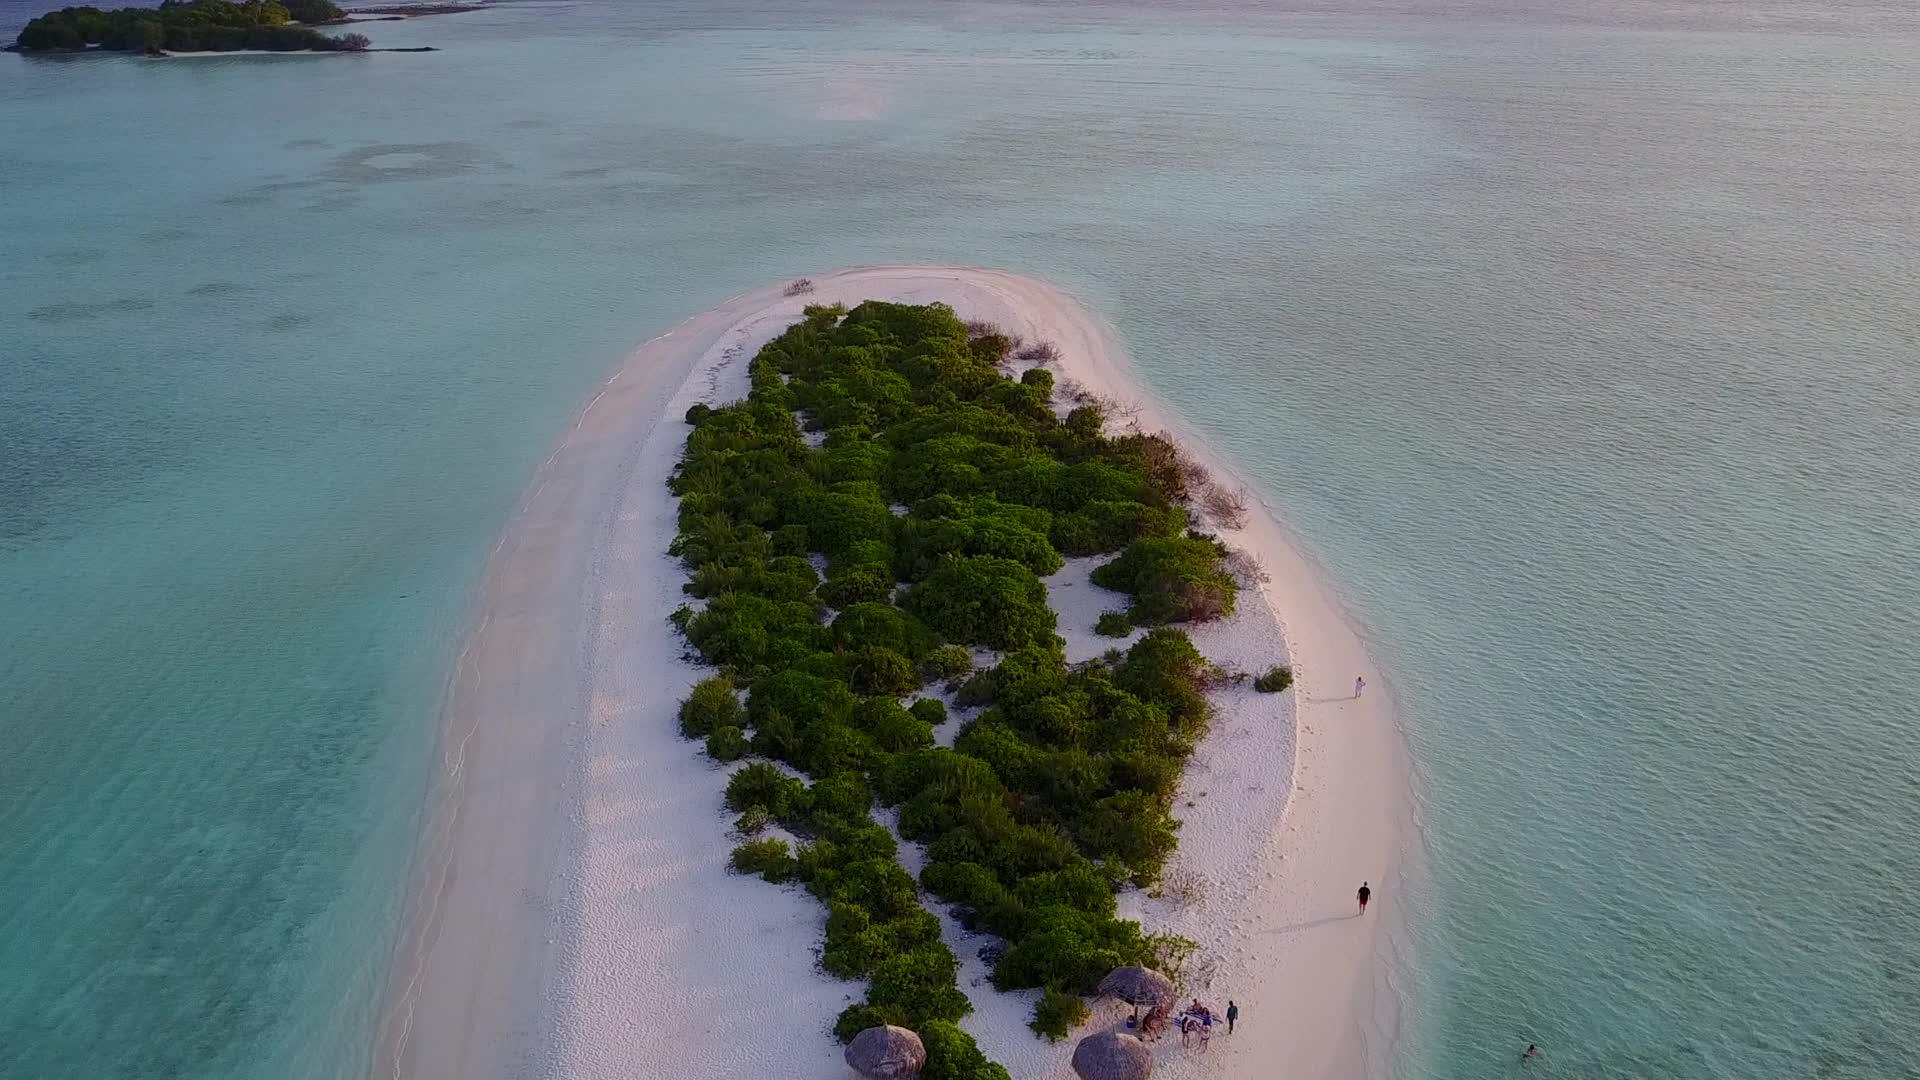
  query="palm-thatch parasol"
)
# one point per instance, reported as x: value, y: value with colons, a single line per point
x: 1111, y: 1055
x: 886, y: 1053
x: 1138, y: 986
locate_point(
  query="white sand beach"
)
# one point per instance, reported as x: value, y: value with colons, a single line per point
x: 574, y: 916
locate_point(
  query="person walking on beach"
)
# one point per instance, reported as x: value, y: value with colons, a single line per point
x: 1359, y: 684
x: 1365, y: 894
x: 1233, y: 1015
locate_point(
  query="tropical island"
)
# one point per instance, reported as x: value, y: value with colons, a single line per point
x: 967, y: 640
x: 938, y: 492
x: 203, y: 26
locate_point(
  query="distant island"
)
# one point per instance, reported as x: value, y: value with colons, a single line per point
x: 209, y: 26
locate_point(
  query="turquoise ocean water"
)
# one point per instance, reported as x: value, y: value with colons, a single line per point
x: 1578, y: 342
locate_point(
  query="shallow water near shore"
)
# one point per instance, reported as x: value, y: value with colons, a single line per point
x: 1577, y: 347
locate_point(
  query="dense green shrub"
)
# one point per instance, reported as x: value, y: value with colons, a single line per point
x: 1056, y: 1014
x: 948, y: 662
x: 882, y: 671
x: 859, y: 583
x: 893, y: 727
x: 883, y: 626
x: 752, y: 821
x: 712, y: 705
x: 929, y: 711
x: 1130, y: 829
x: 855, y: 1019
x: 768, y: 858
x: 1113, y: 624
x: 763, y: 785
x: 856, y: 945
x: 802, y: 698
x: 1106, y: 524
x: 943, y: 526
x: 751, y: 635
x: 1172, y: 580
x: 837, y: 806
x: 984, y: 601
x: 1163, y: 668
x: 920, y: 983
x: 837, y: 520
x: 952, y: 1055
x: 1276, y: 679
x: 727, y: 743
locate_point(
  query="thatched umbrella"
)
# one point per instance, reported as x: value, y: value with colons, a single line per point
x: 1138, y: 986
x: 1111, y: 1055
x: 886, y: 1053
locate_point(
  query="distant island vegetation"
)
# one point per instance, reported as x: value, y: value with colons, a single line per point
x: 208, y: 26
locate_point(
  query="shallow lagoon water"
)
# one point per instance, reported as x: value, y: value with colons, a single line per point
x: 1577, y: 346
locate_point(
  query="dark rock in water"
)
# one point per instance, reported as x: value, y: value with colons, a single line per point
x: 992, y: 951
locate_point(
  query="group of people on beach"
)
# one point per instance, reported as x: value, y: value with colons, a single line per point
x: 1196, y: 1023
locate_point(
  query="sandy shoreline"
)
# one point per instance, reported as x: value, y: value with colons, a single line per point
x: 573, y: 916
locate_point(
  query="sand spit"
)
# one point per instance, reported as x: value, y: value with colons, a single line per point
x: 573, y: 916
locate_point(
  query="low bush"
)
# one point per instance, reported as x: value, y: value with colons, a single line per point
x: 855, y: 1019
x: 920, y: 983
x: 1057, y: 1013
x: 875, y: 670
x: 893, y: 727
x: 752, y: 821
x: 804, y: 699
x: 1276, y: 679
x: 765, y: 786
x: 981, y: 526
x: 984, y: 601
x: 929, y: 711
x: 1113, y: 624
x: 768, y: 858
x: 727, y: 743
x: 881, y: 625
x: 1163, y: 668
x: 953, y: 1055
x: 863, y: 583
x: 948, y: 662
x: 1172, y: 580
x: 712, y: 705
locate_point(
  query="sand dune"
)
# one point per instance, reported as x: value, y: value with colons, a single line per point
x: 574, y: 917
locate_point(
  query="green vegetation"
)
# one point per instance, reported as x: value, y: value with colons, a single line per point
x: 1113, y: 624
x: 711, y: 706
x: 1172, y: 579
x: 1275, y: 680
x: 727, y: 743
x: 1057, y: 1013
x: 768, y: 858
x: 193, y: 25
x: 1055, y: 795
x: 948, y: 662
